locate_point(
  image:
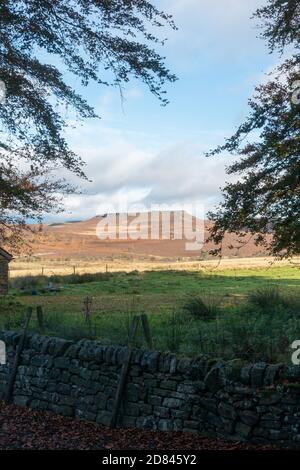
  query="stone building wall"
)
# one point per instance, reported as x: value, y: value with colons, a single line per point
x: 3, y: 276
x: 251, y: 402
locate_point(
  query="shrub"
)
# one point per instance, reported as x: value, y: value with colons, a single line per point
x: 272, y: 300
x: 201, y: 309
x: 267, y: 298
x: 244, y: 332
x: 27, y: 283
x: 83, y: 278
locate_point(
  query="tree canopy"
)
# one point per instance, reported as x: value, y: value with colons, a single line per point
x: 265, y: 199
x: 87, y: 38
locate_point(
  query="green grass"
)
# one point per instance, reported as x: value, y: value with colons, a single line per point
x: 253, y: 314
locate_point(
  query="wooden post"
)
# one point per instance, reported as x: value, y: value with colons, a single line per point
x: 40, y: 318
x: 42, y: 271
x: 124, y: 371
x: 13, y: 374
x: 147, y: 332
x: 87, y: 311
x: 74, y: 270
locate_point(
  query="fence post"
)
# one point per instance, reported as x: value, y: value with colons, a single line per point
x: 124, y: 371
x: 147, y: 332
x: 13, y: 374
x: 40, y: 318
x: 87, y: 311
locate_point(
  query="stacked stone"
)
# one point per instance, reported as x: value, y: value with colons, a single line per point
x: 259, y: 403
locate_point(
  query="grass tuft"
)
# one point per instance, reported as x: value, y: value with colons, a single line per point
x: 201, y: 308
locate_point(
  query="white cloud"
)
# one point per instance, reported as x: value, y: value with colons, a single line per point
x: 221, y: 29
x: 140, y: 166
x: 120, y: 170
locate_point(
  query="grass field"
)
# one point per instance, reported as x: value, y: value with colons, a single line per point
x: 249, y: 313
x: 34, y: 266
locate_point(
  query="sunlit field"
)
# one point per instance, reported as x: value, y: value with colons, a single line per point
x: 250, y: 313
x: 34, y: 266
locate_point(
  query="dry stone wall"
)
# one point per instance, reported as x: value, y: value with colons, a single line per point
x: 251, y: 402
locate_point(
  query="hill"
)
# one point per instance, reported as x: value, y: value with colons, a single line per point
x: 151, y: 236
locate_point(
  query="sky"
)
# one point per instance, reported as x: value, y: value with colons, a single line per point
x: 142, y: 153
